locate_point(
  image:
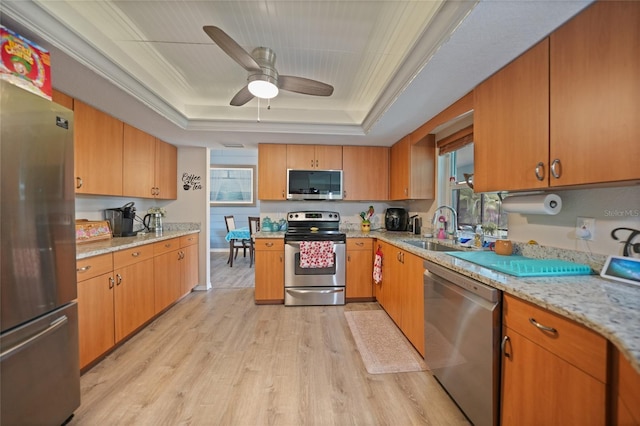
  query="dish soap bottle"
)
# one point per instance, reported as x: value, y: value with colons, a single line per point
x: 478, y: 237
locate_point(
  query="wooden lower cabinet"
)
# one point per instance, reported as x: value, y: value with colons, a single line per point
x: 625, y: 392
x: 401, y: 292
x: 134, y: 297
x: 168, y: 273
x: 190, y: 263
x: 269, y: 272
x: 96, y: 324
x: 551, y: 378
x: 359, y: 285
x: 412, y: 300
x: 119, y: 292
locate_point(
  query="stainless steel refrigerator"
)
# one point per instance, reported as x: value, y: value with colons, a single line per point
x: 39, y: 368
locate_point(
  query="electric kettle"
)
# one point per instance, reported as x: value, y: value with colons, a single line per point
x: 153, y: 222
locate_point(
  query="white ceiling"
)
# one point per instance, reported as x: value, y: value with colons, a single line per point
x: 393, y: 64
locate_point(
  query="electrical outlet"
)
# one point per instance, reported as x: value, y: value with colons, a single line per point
x: 585, y: 228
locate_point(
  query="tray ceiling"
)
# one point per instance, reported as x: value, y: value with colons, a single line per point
x: 370, y: 51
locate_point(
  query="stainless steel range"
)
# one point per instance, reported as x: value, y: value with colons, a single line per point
x: 314, y: 259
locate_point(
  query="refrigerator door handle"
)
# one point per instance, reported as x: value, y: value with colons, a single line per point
x: 52, y: 327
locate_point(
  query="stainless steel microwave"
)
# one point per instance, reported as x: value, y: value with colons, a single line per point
x: 314, y: 184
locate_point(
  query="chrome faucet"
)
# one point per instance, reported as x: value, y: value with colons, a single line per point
x: 453, y: 214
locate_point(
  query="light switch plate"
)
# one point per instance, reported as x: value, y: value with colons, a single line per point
x: 585, y: 228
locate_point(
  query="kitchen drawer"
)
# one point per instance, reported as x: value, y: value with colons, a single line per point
x: 188, y: 240
x: 93, y: 266
x: 359, y: 244
x: 571, y: 341
x: 269, y: 244
x: 166, y: 246
x: 133, y: 255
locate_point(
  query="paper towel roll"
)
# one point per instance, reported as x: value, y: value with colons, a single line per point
x: 533, y: 204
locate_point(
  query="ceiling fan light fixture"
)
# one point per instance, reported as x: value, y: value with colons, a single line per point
x: 263, y: 86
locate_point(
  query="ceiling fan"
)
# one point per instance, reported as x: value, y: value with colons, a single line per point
x: 263, y: 80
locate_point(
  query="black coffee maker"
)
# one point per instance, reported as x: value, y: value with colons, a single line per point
x: 396, y: 219
x: 121, y: 220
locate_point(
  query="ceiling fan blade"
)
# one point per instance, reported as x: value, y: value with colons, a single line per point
x: 242, y: 97
x: 231, y: 48
x: 304, y: 85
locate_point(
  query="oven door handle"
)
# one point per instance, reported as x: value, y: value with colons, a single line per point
x: 323, y: 291
x: 297, y: 243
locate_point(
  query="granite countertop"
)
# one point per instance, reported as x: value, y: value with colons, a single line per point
x: 609, y: 308
x: 122, y: 243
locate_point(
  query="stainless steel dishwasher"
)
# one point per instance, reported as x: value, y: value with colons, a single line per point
x: 462, y: 322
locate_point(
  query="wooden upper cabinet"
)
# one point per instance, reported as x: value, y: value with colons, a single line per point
x: 310, y: 157
x: 98, y: 140
x: 399, y: 179
x: 366, y: 173
x: 62, y: 99
x: 595, y: 102
x: 166, y: 171
x: 139, y: 163
x: 150, y: 166
x: 272, y: 171
x: 511, y: 124
x: 412, y: 169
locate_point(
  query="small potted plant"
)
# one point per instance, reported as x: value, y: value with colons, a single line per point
x: 365, y: 226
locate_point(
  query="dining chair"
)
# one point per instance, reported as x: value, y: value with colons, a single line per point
x: 254, y: 226
x: 235, y: 244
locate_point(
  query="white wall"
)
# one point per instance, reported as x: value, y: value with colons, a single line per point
x: 192, y: 204
x: 610, y: 207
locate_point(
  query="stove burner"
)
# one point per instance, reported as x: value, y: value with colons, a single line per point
x: 313, y: 226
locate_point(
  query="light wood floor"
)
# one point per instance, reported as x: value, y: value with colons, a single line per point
x: 216, y: 358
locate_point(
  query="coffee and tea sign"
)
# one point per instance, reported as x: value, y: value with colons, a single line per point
x: 191, y: 182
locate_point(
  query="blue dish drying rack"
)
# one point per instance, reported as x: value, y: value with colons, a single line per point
x: 521, y: 266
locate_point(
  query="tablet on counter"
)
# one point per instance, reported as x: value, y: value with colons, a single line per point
x: 624, y: 269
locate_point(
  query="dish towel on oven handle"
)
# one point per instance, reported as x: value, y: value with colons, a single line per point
x: 377, y: 266
x: 316, y: 254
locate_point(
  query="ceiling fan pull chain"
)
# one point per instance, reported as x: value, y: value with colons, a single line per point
x: 258, y: 110
x: 268, y: 104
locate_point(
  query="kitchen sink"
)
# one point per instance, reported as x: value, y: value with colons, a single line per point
x: 429, y: 245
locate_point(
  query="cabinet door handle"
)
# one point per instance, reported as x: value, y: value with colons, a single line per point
x: 79, y: 182
x: 543, y: 327
x: 135, y: 254
x: 344, y: 193
x: 503, y: 347
x: 84, y: 268
x: 556, y: 168
x: 540, y: 171
x: 283, y: 194
x: 312, y: 163
x: 167, y: 245
x: 111, y: 282
x: 268, y: 244
x: 348, y: 258
x: 360, y: 244
x: 118, y: 279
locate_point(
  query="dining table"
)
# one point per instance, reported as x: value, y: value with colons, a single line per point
x: 237, y: 234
